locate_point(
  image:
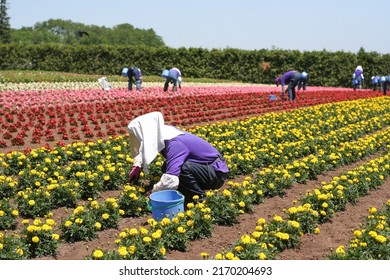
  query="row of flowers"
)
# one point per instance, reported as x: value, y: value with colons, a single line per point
x: 371, y: 240
x: 270, y: 238
x: 67, y: 115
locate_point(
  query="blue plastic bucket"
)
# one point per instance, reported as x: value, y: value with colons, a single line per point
x: 272, y: 97
x: 166, y: 203
x: 165, y: 73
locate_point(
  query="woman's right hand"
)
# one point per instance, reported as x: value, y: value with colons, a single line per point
x: 134, y: 174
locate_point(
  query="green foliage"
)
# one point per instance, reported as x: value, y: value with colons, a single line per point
x: 5, y: 28
x: 71, y: 33
x: 258, y: 66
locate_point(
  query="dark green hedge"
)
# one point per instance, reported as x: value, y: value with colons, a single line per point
x: 258, y: 66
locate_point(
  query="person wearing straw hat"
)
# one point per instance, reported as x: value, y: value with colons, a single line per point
x: 291, y: 78
x: 134, y: 75
x: 192, y: 165
x: 172, y: 76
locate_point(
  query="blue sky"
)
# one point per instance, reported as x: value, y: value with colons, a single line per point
x: 305, y: 25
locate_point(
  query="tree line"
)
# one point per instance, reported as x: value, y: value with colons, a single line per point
x: 72, y: 33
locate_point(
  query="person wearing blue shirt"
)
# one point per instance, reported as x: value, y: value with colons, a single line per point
x: 385, y: 83
x: 358, y: 78
x: 302, y: 81
x: 376, y: 83
x: 172, y: 76
x: 134, y: 75
x: 291, y: 78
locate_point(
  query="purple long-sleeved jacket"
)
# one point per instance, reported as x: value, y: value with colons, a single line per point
x: 286, y: 77
x: 192, y: 148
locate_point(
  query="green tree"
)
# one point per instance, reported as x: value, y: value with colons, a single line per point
x: 5, y: 29
x: 71, y: 33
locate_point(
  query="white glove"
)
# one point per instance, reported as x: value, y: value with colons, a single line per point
x: 167, y: 182
x: 138, y: 160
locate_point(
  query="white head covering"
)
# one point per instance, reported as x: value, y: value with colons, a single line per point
x: 150, y: 131
x: 359, y: 68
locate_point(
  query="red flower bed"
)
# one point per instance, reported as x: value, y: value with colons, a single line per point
x: 30, y: 117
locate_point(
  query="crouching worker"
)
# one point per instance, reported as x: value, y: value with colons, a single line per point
x: 192, y: 165
x: 172, y: 76
x: 134, y: 75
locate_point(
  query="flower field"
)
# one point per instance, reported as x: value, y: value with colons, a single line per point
x: 308, y: 180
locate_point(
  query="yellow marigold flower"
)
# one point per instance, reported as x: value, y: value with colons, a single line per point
x: 31, y: 202
x: 219, y: 256
x: 95, y: 204
x: 204, y: 255
x: 340, y: 250
x: 15, y: 213
x: 19, y: 251
x: 256, y: 234
x: 143, y: 231
x: 325, y: 205
x: 357, y: 233
x: 122, y: 250
x: 98, y: 225
x: 98, y: 254
x: 105, y: 216
x: 245, y: 239
x: 181, y: 230
x: 132, y: 249
x: 79, y: 221
x: 380, y: 226
x: 156, y: 234
x: 50, y: 222
x: 163, y: 251
x: 292, y: 210
x: 230, y: 256
x: 239, y: 248
x: 262, y: 256
x: 180, y: 215
x: 380, y: 238
x: 122, y: 234
x: 226, y: 192
x: 372, y: 233
x: 190, y: 205
x: 35, y: 239
x: 241, y: 204
x: 121, y: 212
x: 55, y: 236
x: 261, y: 221
x: 372, y: 210
x: 147, y: 239
x: 46, y: 227
x: 294, y: 224
x: 25, y: 221
x: 166, y: 221
x: 1, y: 246
x: 278, y: 218
x: 317, y: 230
x: 68, y: 223
x: 133, y: 231
x: 190, y: 223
